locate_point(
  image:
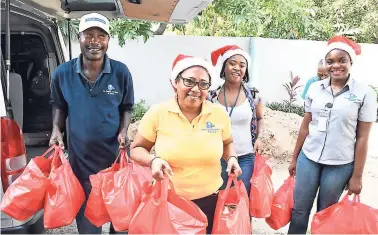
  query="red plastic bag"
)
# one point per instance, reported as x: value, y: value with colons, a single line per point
x: 261, y: 195
x: 122, y: 191
x: 95, y: 210
x: 162, y: 211
x: 283, y: 202
x: 346, y: 217
x: 64, y: 194
x: 26, y: 195
x: 231, y: 213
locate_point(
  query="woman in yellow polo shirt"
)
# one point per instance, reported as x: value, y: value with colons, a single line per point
x: 190, y: 135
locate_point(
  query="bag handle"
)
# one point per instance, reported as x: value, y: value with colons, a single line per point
x: 231, y: 178
x: 58, y: 155
x: 52, y: 147
x: 163, y: 186
x: 355, y: 200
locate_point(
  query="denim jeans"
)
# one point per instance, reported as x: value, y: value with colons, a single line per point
x: 82, y: 223
x: 311, y: 176
x: 246, y: 163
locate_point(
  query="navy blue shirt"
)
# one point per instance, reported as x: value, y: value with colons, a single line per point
x: 94, y: 112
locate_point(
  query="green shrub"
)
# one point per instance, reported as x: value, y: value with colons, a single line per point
x: 376, y: 90
x: 286, y: 107
x: 140, y: 109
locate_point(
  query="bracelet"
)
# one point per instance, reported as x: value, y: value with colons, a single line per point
x: 231, y: 157
x: 153, y: 160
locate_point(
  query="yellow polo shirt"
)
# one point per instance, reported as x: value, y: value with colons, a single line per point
x: 193, y: 150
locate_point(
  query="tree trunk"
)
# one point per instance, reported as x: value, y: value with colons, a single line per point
x: 161, y: 29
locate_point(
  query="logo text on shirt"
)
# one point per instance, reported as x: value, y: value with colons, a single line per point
x: 111, y: 90
x: 210, y: 128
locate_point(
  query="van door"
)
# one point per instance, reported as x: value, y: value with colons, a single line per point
x: 3, y: 87
x: 166, y: 11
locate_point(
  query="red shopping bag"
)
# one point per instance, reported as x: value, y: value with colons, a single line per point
x: 261, y: 195
x: 162, y: 211
x: 282, y: 205
x: 95, y: 210
x: 122, y: 191
x: 346, y: 217
x: 26, y: 195
x: 64, y: 194
x: 231, y: 213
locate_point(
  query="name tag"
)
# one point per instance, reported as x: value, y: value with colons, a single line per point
x: 322, y: 124
x: 323, y: 119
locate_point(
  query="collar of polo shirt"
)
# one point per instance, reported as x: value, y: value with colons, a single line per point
x: 327, y: 82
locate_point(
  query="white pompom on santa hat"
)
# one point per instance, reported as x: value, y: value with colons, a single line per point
x: 183, y: 62
x: 219, y: 56
x: 345, y: 44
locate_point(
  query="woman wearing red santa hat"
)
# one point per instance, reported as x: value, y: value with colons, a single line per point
x: 245, y: 111
x: 331, y: 148
x: 190, y: 135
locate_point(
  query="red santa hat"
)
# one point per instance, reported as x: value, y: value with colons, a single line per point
x: 345, y: 44
x: 183, y: 62
x: 219, y: 56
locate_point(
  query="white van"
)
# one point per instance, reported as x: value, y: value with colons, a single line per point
x: 36, y: 48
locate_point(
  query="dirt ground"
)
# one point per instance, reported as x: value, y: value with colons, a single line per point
x: 279, y: 139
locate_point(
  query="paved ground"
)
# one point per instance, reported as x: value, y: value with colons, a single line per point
x: 369, y: 194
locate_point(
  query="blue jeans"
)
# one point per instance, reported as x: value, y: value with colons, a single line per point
x: 311, y: 176
x: 246, y: 163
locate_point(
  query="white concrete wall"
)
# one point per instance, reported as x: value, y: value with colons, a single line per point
x: 275, y: 58
x: 151, y: 63
x: 272, y: 60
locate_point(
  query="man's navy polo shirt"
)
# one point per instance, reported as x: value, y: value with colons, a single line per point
x: 94, y: 112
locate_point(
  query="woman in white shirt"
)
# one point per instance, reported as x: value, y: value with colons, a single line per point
x: 331, y: 148
x: 245, y: 110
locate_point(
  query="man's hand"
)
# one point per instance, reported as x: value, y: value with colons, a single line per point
x: 57, y: 138
x: 123, y: 140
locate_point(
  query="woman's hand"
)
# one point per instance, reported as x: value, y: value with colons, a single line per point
x: 233, y: 167
x: 259, y: 146
x: 292, y: 166
x: 159, y: 167
x: 355, y: 185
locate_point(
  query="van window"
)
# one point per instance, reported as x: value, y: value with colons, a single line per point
x: 89, y: 5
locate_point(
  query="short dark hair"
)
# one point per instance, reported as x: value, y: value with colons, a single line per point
x: 246, y: 75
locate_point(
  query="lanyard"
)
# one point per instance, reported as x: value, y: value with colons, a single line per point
x: 225, y: 100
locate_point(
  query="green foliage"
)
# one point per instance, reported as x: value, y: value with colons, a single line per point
x: 140, y: 109
x: 123, y: 29
x: 295, y: 19
x: 287, y: 108
x: 376, y: 90
x: 130, y: 29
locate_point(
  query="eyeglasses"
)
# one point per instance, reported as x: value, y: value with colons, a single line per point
x: 190, y: 82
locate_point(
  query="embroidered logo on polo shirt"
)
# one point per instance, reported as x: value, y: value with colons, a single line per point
x: 111, y: 90
x: 210, y: 128
x: 353, y: 98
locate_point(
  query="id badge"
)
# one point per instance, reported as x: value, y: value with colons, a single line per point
x: 322, y: 124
